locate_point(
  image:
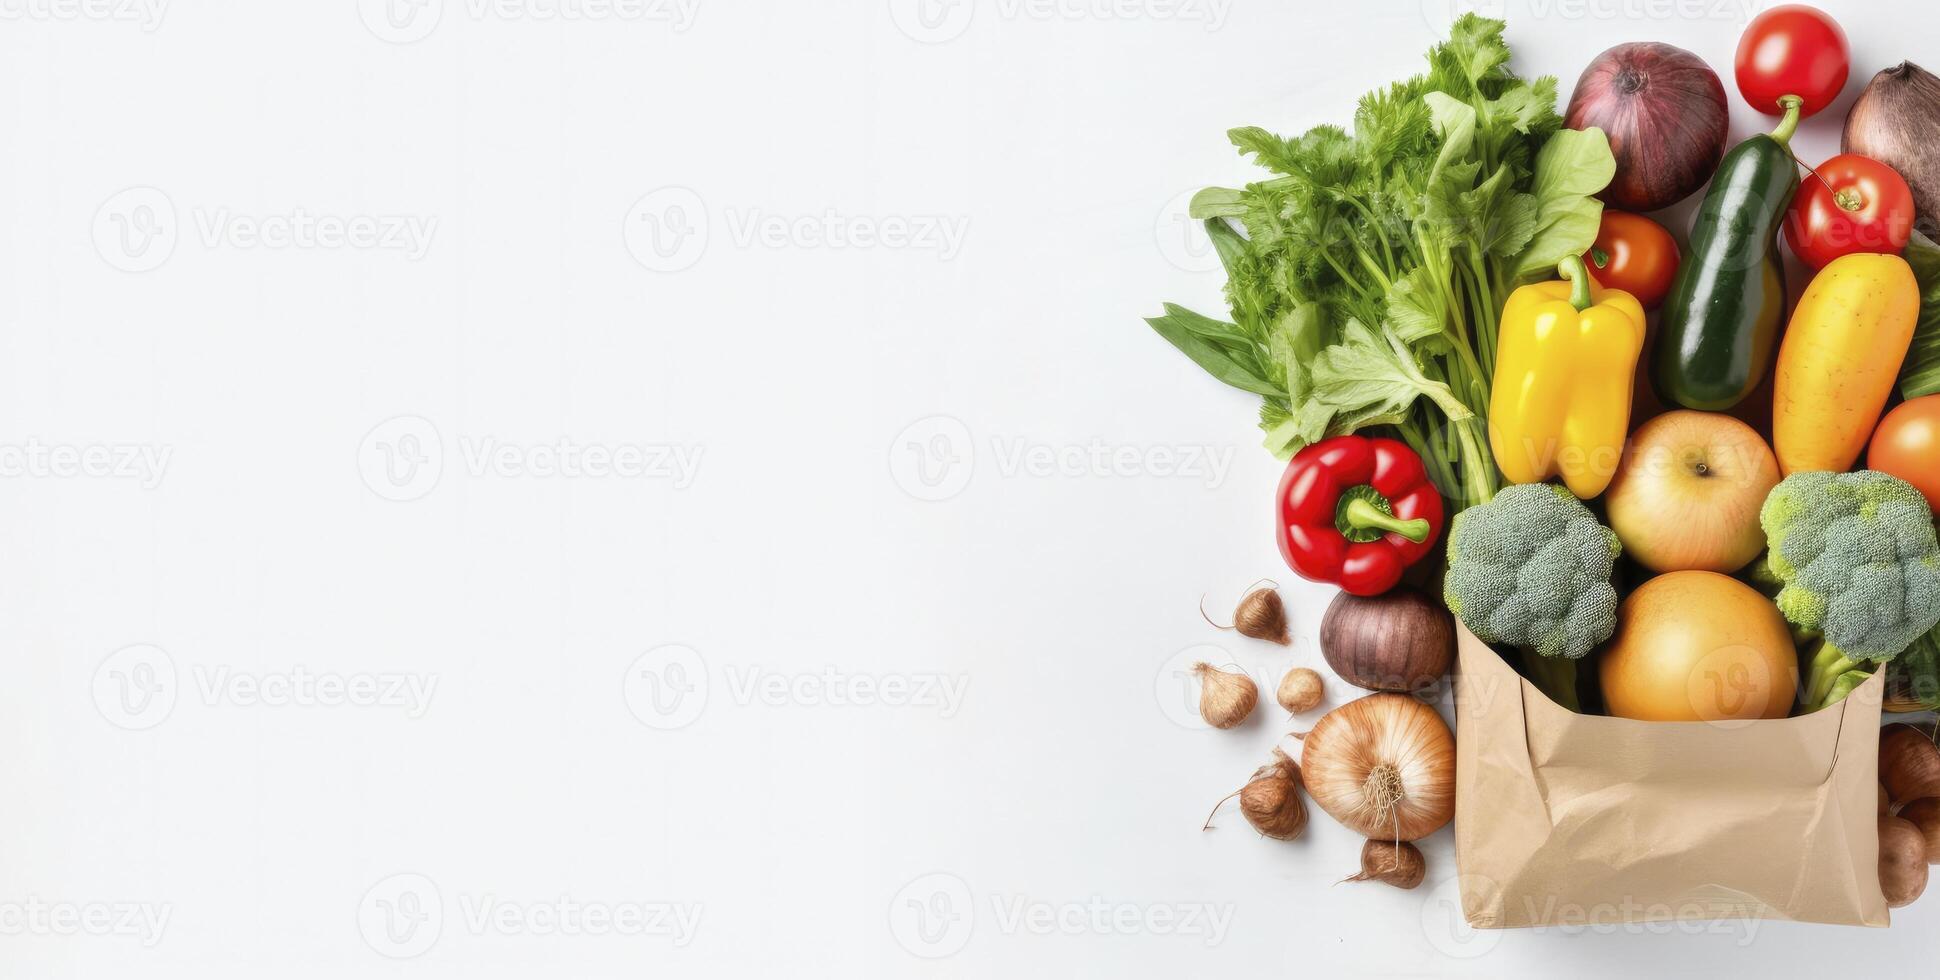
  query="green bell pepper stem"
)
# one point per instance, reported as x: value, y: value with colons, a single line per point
x: 1554, y: 676
x: 1572, y: 269
x: 1790, y: 122
x: 1361, y: 514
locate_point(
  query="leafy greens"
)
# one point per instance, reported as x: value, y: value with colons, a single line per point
x: 1366, y: 279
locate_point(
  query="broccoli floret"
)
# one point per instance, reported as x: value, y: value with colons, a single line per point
x: 1531, y: 568
x: 1857, y: 557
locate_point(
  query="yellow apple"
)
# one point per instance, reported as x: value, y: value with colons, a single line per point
x: 1687, y: 493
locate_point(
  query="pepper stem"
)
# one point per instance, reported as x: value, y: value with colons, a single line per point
x: 1361, y: 514
x: 1572, y: 269
x: 1790, y: 122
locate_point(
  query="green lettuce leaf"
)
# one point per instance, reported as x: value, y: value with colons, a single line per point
x: 1571, y: 167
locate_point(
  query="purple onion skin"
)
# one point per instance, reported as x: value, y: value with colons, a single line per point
x: 1665, y: 113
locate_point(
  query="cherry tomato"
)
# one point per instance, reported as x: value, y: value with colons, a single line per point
x: 1634, y: 254
x: 1792, y: 50
x: 1907, y: 445
x: 1854, y: 204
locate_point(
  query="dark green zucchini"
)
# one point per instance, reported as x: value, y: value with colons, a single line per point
x: 1721, y: 320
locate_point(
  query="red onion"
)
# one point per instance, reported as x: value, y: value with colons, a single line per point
x: 1664, y: 111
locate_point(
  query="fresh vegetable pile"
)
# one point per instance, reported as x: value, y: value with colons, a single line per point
x: 1447, y: 328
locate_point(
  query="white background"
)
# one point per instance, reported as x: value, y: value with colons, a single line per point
x: 819, y: 485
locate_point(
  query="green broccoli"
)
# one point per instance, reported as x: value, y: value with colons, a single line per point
x: 1859, y: 565
x: 1531, y: 569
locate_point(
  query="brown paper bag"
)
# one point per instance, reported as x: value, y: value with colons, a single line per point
x: 1563, y: 818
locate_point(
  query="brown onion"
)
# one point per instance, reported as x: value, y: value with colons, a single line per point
x: 1925, y: 814
x: 1902, y: 861
x: 1896, y: 121
x: 1384, y: 766
x: 1226, y: 697
x: 1665, y: 113
x: 1909, y: 763
x: 1400, y: 641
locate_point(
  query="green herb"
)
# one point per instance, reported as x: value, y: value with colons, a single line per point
x: 1921, y: 373
x: 1366, y: 279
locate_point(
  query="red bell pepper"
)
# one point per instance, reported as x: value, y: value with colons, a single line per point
x: 1356, y: 512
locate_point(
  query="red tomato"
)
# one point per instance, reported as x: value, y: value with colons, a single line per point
x: 1634, y: 254
x: 1792, y: 50
x: 1854, y: 204
x: 1907, y: 445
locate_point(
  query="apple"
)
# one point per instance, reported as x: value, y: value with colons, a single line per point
x: 1687, y: 493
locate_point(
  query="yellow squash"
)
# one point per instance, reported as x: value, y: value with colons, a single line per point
x: 1565, y: 358
x: 1839, y: 359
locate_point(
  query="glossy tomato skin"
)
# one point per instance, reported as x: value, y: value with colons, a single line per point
x: 1907, y: 445
x: 1855, y: 204
x: 1634, y: 254
x: 1792, y: 50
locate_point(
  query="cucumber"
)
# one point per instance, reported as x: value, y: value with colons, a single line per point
x: 1721, y: 319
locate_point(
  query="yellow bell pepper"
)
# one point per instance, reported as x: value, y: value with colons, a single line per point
x: 1565, y: 359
